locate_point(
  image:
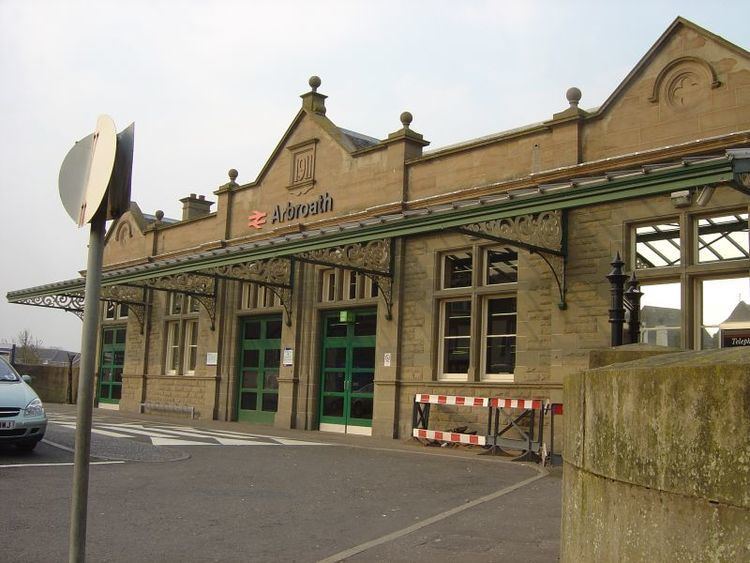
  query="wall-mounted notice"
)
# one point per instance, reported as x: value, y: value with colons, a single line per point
x: 387, y: 359
x: 212, y: 358
x: 288, y: 358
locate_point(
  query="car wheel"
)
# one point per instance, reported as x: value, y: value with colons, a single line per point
x: 27, y: 446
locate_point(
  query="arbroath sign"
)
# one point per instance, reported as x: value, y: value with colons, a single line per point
x: 291, y: 212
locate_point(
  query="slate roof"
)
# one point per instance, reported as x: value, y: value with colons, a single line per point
x: 359, y: 140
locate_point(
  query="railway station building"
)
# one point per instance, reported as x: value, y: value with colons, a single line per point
x: 355, y: 271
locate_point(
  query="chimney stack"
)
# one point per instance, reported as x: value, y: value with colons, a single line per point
x: 194, y: 207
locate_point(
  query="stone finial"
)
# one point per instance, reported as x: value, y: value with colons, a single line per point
x: 313, y: 101
x: 159, y: 215
x: 406, y: 119
x: 574, y: 96
x: 233, y: 175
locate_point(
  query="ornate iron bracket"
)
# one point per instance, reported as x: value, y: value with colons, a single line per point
x: 544, y: 234
x: 133, y: 297
x: 373, y: 259
x: 275, y: 273
x: 202, y: 287
x: 72, y: 303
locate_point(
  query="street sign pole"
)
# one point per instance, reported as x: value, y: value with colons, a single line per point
x: 94, y: 186
x: 77, y: 550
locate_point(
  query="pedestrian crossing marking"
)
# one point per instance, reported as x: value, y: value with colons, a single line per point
x: 161, y: 434
x: 237, y: 442
x: 157, y: 441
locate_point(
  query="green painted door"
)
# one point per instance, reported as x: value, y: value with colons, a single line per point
x: 111, y: 364
x: 348, y: 368
x: 260, y: 354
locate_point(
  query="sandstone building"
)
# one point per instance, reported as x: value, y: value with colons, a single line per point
x: 354, y: 271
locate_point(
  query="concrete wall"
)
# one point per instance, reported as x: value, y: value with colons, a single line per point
x: 657, y: 461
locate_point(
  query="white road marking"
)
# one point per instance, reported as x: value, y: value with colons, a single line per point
x: 340, y: 556
x: 238, y: 442
x: 157, y: 441
x: 65, y: 463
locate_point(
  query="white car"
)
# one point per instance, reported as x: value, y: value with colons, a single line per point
x: 22, y: 418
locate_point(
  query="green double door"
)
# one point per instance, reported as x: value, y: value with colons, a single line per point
x: 260, y: 355
x: 348, y: 371
x: 110, y: 365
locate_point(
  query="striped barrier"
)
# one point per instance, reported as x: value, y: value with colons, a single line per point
x: 454, y: 437
x: 528, y: 425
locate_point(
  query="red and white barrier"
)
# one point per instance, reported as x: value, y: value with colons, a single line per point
x: 516, y: 403
x: 455, y: 437
x: 452, y: 400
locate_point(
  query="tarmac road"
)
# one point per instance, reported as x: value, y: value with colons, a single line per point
x: 306, y: 496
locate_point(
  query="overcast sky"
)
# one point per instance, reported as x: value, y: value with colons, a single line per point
x: 214, y: 85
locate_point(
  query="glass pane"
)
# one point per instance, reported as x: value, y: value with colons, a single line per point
x: 116, y: 391
x: 250, y: 358
x: 335, y: 358
x: 458, y: 318
x: 333, y: 406
x: 193, y: 328
x: 118, y: 358
x: 117, y: 374
x: 123, y: 311
x: 107, y: 357
x: 456, y: 357
x: 725, y: 312
x: 501, y: 354
x: 175, y: 303
x: 273, y: 329
x: 502, y: 266
x: 335, y: 328
x: 723, y: 238
x: 501, y: 316
x: 248, y: 401
x: 363, y: 358
x: 108, y: 336
x: 363, y: 382
x: 250, y: 379
x: 109, y: 310
x: 657, y: 246
x: 119, y: 337
x: 104, y: 392
x: 175, y: 352
x: 333, y: 382
x: 192, y: 359
x: 365, y: 324
x: 271, y: 379
x: 457, y: 269
x: 661, y: 319
x: 270, y: 402
x: 361, y: 407
x: 252, y: 330
x: 272, y: 358
x: 106, y: 375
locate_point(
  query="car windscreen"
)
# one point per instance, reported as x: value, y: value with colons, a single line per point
x: 7, y: 373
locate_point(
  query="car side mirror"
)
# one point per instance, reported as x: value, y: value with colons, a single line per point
x: 26, y: 378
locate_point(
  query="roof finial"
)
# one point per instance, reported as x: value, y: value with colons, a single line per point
x: 574, y: 96
x: 232, y: 175
x: 406, y: 119
x: 314, y: 83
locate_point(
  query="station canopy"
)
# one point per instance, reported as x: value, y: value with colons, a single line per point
x: 530, y: 217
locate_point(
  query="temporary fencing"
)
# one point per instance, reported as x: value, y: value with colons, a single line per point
x: 507, y: 428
